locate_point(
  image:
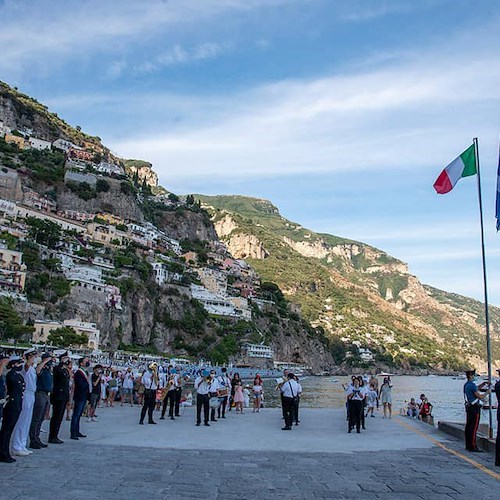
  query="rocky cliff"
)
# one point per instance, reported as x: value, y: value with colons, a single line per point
x: 359, y: 294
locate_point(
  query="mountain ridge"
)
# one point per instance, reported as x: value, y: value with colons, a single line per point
x: 372, y: 290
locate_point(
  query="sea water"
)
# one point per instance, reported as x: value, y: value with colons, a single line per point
x: 445, y: 394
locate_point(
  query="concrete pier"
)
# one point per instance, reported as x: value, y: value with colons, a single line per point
x: 248, y: 456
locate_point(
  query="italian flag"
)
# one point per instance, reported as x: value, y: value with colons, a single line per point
x: 463, y: 166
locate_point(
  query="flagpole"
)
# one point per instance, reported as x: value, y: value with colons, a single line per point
x: 486, y: 310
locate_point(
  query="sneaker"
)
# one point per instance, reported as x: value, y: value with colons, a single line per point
x: 35, y: 446
x: 93, y: 419
x: 89, y: 419
x: 20, y: 453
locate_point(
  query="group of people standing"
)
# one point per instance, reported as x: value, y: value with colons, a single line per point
x: 363, y: 396
x: 33, y: 383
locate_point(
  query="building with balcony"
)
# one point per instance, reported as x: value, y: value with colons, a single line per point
x: 12, y: 271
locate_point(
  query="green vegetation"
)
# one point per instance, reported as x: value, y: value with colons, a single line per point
x: 44, y: 286
x: 66, y: 337
x: 82, y: 189
x: 44, y: 232
x: 11, y: 325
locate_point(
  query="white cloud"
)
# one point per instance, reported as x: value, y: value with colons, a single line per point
x: 409, y: 114
x: 178, y: 55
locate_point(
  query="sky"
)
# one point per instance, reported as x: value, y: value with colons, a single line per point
x: 341, y: 112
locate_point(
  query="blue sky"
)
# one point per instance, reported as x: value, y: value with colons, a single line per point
x: 342, y: 112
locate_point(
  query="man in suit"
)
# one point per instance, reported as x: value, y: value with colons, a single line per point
x: 81, y: 395
x: 59, y: 396
x: 15, y: 389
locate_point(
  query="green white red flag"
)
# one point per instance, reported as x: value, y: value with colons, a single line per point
x: 463, y: 166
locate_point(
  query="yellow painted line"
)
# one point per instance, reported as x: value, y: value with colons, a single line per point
x: 471, y: 461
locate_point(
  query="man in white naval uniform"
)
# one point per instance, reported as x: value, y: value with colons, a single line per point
x: 20, y: 435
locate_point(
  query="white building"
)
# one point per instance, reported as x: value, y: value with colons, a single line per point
x: 39, y: 144
x: 163, y: 275
x: 365, y: 354
x: 258, y: 351
x: 109, y: 168
x: 86, y: 274
x: 212, y: 303
x: 64, y: 144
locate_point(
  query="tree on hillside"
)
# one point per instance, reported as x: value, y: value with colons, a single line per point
x: 66, y: 337
x: 11, y: 326
x: 44, y: 232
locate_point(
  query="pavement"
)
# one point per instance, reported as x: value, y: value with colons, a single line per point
x: 248, y: 456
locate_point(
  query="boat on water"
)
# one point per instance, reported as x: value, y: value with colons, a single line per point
x: 384, y: 374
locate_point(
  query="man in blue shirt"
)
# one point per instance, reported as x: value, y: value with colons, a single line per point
x: 473, y: 398
x: 44, y: 383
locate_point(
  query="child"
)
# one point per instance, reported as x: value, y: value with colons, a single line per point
x: 238, y: 396
x: 246, y: 396
x: 372, y: 397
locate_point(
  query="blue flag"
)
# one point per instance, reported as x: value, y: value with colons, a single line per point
x: 497, y: 210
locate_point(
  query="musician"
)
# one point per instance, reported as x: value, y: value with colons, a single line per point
x: 151, y: 381
x: 289, y: 391
x: 213, y: 392
x: 202, y: 387
x: 224, y: 385
x: 278, y: 388
x: 171, y: 394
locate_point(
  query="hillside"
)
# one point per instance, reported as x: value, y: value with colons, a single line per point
x: 355, y: 292
x: 101, y: 243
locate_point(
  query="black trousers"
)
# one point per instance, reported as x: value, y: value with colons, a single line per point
x: 222, y: 407
x: 178, y: 394
x: 497, y: 444
x: 472, y: 423
x: 11, y: 414
x: 169, y: 398
x: 58, y: 408
x: 149, y: 405
x: 202, y: 402
x: 355, y: 410
x: 282, y: 405
x: 39, y: 410
x: 296, y: 409
x: 288, y: 410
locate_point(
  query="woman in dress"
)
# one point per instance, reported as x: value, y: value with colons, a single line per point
x: 385, y: 395
x: 257, y: 393
x: 238, y: 396
x: 234, y: 381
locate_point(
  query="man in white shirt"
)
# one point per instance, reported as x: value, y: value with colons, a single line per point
x: 213, y: 392
x: 151, y: 382
x: 224, y: 390
x: 202, y: 387
x: 289, y: 391
x: 355, y: 398
x: 128, y: 386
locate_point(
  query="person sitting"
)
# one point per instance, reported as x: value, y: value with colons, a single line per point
x: 425, y: 409
x: 413, y: 409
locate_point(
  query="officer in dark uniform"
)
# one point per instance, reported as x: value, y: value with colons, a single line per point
x: 4, y: 359
x: 473, y: 395
x: 15, y: 389
x: 497, y: 444
x: 59, y: 397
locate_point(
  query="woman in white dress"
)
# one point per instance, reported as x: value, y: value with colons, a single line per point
x: 385, y: 395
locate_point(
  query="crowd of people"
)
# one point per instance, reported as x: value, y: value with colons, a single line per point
x: 48, y: 386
